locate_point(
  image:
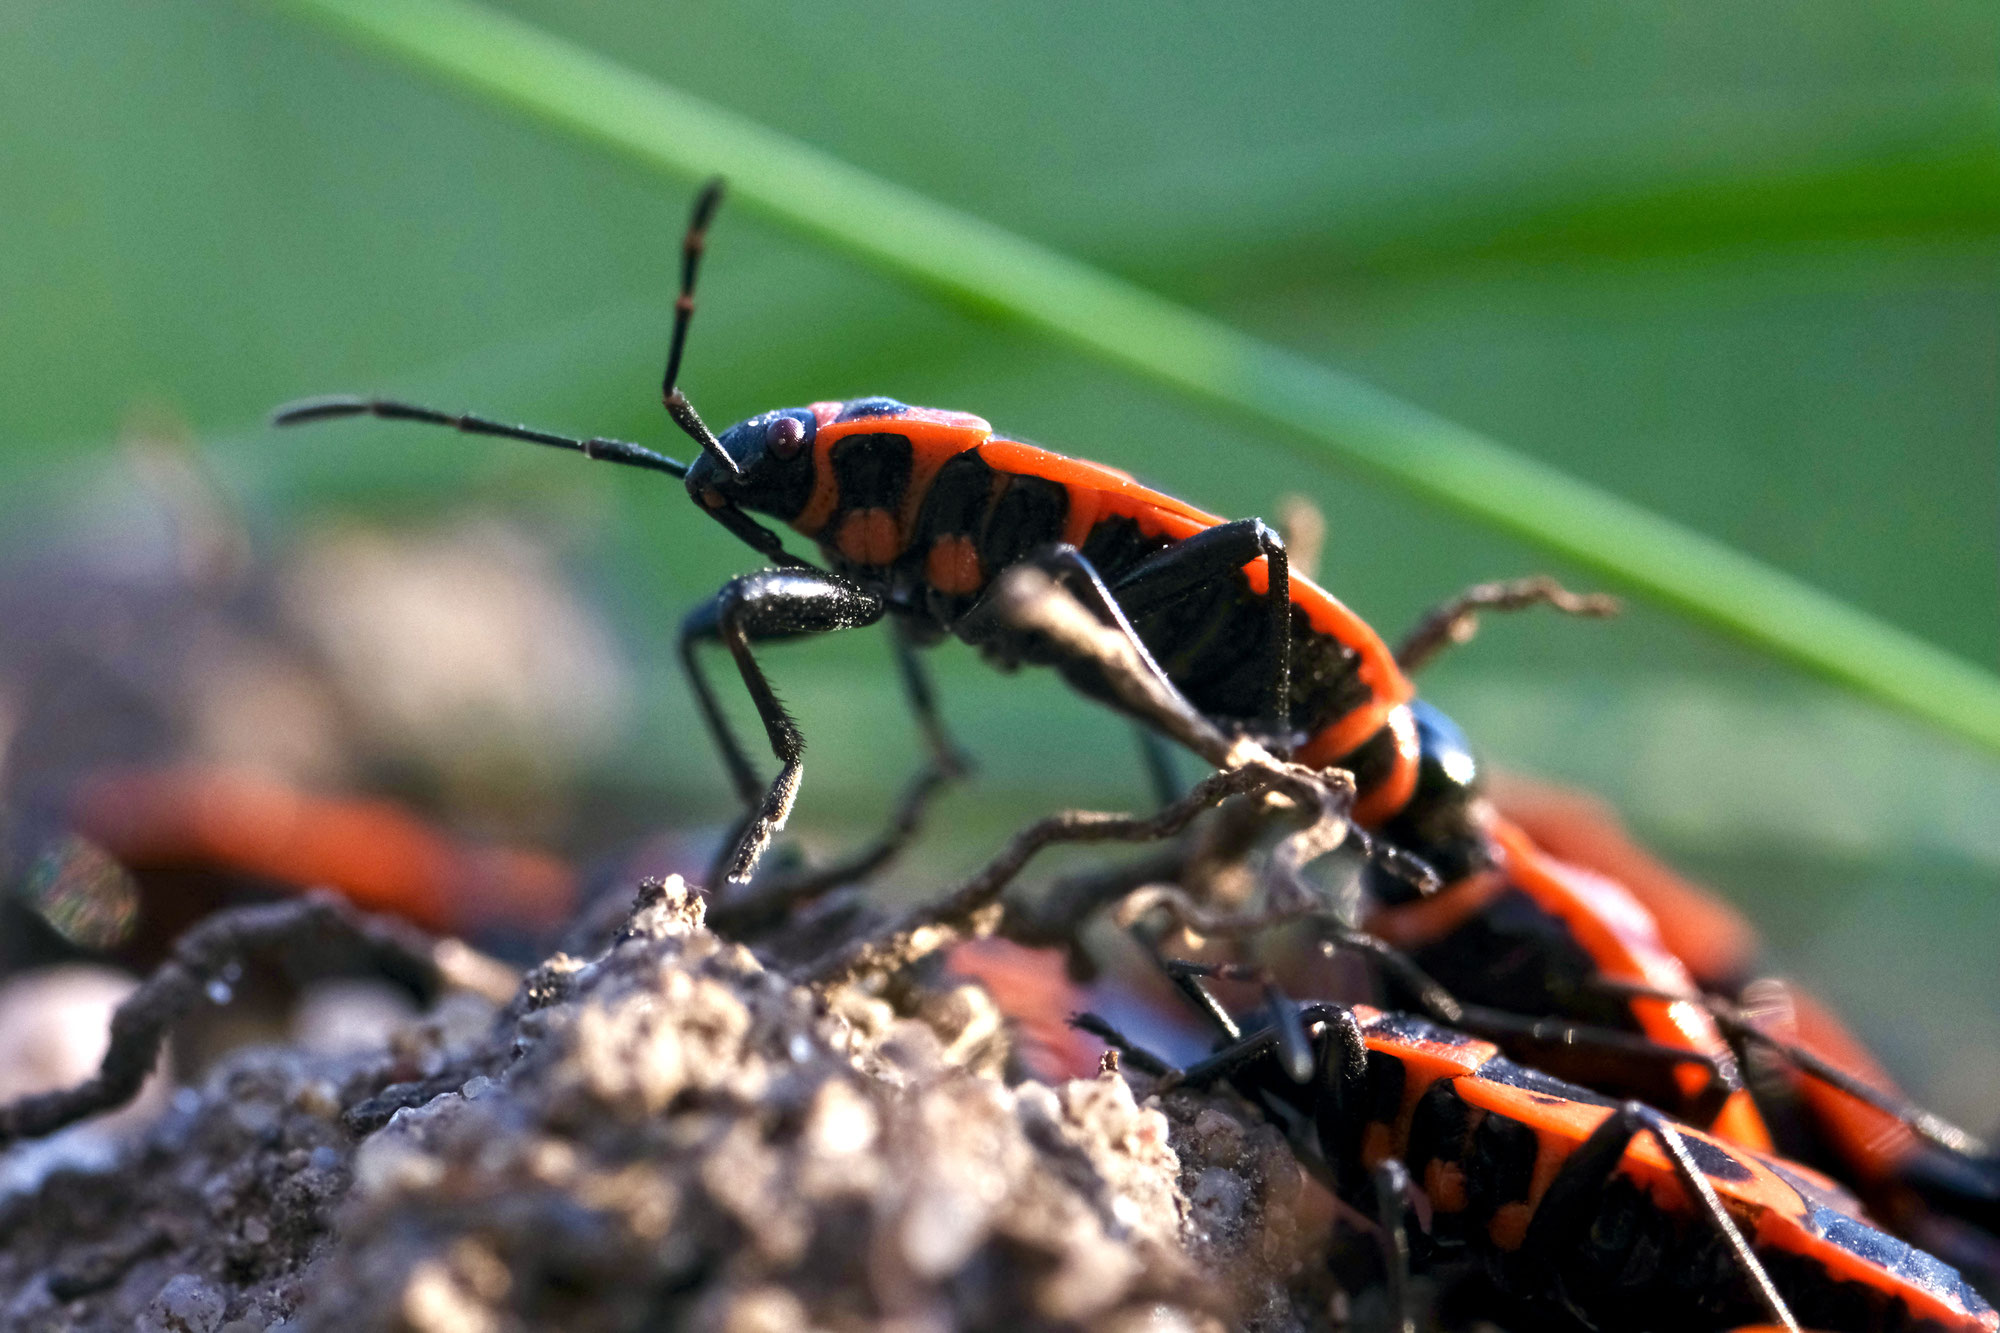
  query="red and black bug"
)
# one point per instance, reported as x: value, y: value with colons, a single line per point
x: 1826, y: 1098
x: 1577, y: 1206
x: 919, y: 513
x: 1523, y: 932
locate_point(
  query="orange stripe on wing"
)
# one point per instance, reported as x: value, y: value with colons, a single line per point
x: 1623, y: 940
x: 1718, y: 944
x: 1387, y: 798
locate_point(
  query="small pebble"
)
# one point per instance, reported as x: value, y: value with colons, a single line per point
x: 186, y: 1304
x: 1221, y: 1136
x: 1219, y: 1196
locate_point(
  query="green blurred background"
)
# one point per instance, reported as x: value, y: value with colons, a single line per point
x: 1738, y: 263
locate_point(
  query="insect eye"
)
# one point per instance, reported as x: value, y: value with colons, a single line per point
x: 784, y: 436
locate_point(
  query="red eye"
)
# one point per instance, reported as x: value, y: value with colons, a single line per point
x: 784, y: 436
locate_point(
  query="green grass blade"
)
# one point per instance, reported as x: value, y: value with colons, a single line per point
x: 1901, y: 159
x: 1326, y: 414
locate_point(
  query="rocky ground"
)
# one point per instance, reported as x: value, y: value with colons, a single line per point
x: 667, y: 1134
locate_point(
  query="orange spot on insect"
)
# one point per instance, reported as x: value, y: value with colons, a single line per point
x: 1035, y: 993
x: 1740, y: 1121
x: 1509, y: 1227
x: 953, y: 566
x: 870, y: 537
x: 1444, y: 1182
x: 1388, y: 796
x: 713, y: 498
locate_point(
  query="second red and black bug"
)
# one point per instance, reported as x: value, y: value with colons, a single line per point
x: 1580, y: 1208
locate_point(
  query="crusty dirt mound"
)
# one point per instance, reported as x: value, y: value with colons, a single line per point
x: 668, y: 1135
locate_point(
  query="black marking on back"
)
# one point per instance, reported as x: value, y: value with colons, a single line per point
x: 1216, y: 644
x: 1534, y: 1082
x: 1028, y: 514
x: 957, y: 500
x: 1714, y: 1162
x: 872, y: 471
x: 1326, y: 680
x: 859, y: 408
x: 1438, y: 1128
x: 1116, y: 546
x: 1500, y: 1167
x: 954, y: 505
x: 1519, y: 957
x: 1371, y: 761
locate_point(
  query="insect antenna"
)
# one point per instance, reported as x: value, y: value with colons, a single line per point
x: 678, y: 407
x: 611, y: 451
x: 308, y: 410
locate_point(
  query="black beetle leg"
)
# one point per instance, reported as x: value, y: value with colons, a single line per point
x: 1189, y: 566
x: 769, y: 604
